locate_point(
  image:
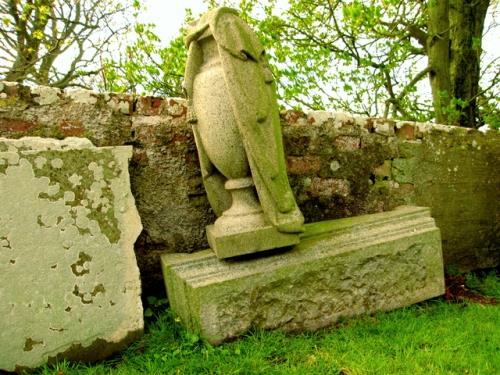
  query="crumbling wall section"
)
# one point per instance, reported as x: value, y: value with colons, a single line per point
x: 339, y: 166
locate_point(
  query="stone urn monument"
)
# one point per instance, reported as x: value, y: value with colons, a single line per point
x: 332, y: 269
x: 234, y: 113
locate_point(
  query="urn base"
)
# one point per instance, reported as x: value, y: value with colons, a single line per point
x: 227, y: 244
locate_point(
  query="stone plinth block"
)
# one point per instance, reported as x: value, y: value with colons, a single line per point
x: 69, y: 282
x: 260, y: 238
x: 340, y: 268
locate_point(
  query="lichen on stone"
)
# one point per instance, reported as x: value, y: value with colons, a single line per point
x: 88, y: 186
x: 67, y: 265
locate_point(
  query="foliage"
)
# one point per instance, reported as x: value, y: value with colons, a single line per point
x: 369, y: 57
x: 326, y: 60
x: 147, y: 66
x: 374, y: 57
x: 39, y: 37
x: 433, y: 337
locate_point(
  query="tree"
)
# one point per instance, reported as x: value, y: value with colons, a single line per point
x: 412, y: 59
x: 146, y: 66
x: 372, y: 57
x: 57, y: 42
x: 455, y: 29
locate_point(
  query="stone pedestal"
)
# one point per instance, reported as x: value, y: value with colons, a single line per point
x: 340, y: 268
x: 227, y: 245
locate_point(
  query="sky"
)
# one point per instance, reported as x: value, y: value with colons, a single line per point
x: 168, y: 15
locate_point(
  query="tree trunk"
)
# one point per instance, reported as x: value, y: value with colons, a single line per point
x: 17, y: 73
x: 22, y: 66
x: 466, y: 31
x: 438, y: 49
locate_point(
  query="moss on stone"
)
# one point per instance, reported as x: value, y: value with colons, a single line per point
x: 7, y: 102
x: 76, y: 163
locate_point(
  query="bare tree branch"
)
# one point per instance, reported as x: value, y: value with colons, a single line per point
x: 37, y: 33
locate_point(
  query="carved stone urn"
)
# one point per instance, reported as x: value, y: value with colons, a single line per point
x: 232, y: 106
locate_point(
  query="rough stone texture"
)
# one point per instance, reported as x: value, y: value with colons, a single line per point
x: 452, y: 170
x: 341, y: 268
x: 69, y: 281
x: 255, y: 239
x: 233, y: 107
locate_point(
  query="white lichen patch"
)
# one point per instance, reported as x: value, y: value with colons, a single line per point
x: 320, y: 117
x: 97, y: 170
x: 57, y: 163
x: 75, y: 180
x: 69, y: 196
x: 11, y: 158
x: 334, y: 165
x: 82, y: 96
x: 118, y: 105
x: 40, y: 162
x: 44, y: 95
x: 53, y: 189
x: 383, y: 128
x: 342, y: 119
x: 63, y: 283
x: 40, y: 144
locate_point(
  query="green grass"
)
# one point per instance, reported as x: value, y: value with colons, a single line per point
x: 434, y: 337
x: 487, y: 285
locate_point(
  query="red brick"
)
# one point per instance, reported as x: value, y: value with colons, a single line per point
x: 292, y: 116
x: 347, y: 143
x: 150, y: 106
x: 176, y: 109
x: 16, y: 126
x: 71, y: 128
x: 406, y: 131
x: 303, y: 164
x: 328, y: 187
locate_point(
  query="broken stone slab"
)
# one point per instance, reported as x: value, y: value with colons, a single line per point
x: 69, y: 282
x: 340, y: 268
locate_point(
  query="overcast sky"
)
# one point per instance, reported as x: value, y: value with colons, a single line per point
x: 168, y: 15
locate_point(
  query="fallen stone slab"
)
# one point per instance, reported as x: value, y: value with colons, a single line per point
x: 69, y: 282
x: 340, y: 268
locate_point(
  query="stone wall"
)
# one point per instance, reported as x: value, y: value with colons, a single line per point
x: 339, y: 166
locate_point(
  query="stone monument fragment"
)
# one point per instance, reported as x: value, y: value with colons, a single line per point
x: 69, y: 282
x: 332, y: 269
x: 340, y: 268
x: 232, y: 106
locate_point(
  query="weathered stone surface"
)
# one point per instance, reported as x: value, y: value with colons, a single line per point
x: 69, y: 281
x: 340, y: 268
x: 328, y: 182
x: 232, y: 104
x: 254, y: 239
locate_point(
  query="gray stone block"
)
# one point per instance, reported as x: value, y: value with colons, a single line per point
x: 340, y: 268
x: 69, y: 282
